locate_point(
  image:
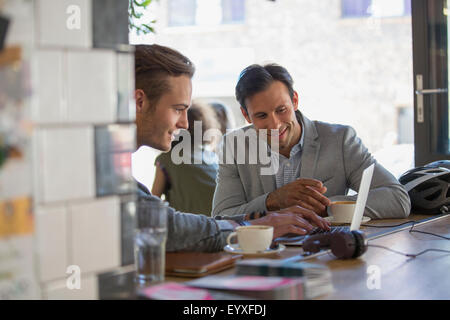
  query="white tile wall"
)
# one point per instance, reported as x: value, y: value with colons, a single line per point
x: 95, y: 234
x: 21, y: 27
x: 81, y: 87
x: 74, y: 87
x: 64, y: 164
x: 92, y: 86
x: 64, y: 23
x: 50, y: 102
x: 51, y: 236
x: 58, y: 290
x: 125, y: 79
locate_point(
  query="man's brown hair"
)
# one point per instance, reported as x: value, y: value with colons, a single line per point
x: 153, y: 64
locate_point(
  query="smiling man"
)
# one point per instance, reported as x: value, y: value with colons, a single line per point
x: 318, y: 162
x: 163, y: 96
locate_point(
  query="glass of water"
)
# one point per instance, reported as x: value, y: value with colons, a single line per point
x: 150, y: 241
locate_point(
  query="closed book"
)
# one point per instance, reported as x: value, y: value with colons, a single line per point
x: 198, y: 264
x: 257, y: 287
x: 317, y: 277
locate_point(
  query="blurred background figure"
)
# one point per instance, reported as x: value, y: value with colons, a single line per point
x: 224, y: 115
x: 190, y: 187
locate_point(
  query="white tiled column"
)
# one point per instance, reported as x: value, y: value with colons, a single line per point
x: 92, y: 86
x: 64, y: 23
x: 95, y: 234
x: 58, y: 290
x: 50, y: 101
x: 64, y: 164
x: 51, y: 236
x: 78, y: 88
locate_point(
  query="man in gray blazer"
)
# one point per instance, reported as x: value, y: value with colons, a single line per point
x: 315, y: 163
x: 163, y: 95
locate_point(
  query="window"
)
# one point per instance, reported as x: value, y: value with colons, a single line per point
x: 375, y: 8
x: 205, y: 12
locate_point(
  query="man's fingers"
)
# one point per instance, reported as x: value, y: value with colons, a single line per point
x: 303, y: 223
x: 321, y: 222
x: 312, y: 204
x: 317, y: 195
x: 292, y: 219
x: 311, y: 216
x: 289, y: 228
x: 305, y: 205
x: 309, y: 182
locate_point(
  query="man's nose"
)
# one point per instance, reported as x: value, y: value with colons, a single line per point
x: 273, y: 123
x: 183, y: 122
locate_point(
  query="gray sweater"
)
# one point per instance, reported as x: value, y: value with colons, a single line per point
x: 192, y: 232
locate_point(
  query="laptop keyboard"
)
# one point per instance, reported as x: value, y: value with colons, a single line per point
x: 333, y: 230
x: 292, y: 237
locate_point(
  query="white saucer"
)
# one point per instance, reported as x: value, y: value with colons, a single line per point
x: 235, y: 249
x: 330, y: 219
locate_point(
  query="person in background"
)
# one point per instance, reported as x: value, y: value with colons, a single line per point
x: 224, y: 115
x: 163, y: 96
x: 189, y: 187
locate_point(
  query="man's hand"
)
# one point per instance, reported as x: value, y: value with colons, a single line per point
x: 296, y: 220
x: 307, y: 193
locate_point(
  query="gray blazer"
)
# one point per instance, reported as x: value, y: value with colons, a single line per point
x: 332, y: 154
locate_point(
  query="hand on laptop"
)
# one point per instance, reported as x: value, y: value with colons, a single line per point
x: 293, y: 220
x: 307, y: 193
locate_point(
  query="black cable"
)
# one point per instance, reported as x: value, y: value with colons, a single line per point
x: 407, y: 254
x: 418, y: 231
x: 429, y: 233
x: 391, y: 226
x: 432, y: 234
x: 444, y: 209
x: 410, y: 230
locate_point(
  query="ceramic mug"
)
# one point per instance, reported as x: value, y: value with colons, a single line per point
x: 342, y: 211
x: 252, y: 238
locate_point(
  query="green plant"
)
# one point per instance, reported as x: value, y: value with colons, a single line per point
x: 135, y: 9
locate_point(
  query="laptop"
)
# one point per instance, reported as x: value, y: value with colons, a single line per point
x: 357, y: 215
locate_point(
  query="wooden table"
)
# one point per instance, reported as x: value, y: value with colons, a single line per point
x: 424, y: 277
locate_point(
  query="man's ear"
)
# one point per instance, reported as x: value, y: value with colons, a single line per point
x: 295, y: 100
x: 140, y: 97
x: 245, y: 114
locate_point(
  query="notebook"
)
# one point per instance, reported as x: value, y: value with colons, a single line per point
x: 198, y: 264
x: 317, y: 277
x: 361, y: 200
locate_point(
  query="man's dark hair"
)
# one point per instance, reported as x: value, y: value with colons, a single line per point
x: 257, y: 78
x: 153, y: 64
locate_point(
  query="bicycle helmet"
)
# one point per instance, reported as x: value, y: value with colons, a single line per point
x: 428, y: 188
x: 439, y: 163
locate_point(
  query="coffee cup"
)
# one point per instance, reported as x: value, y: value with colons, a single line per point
x: 342, y: 211
x: 252, y: 238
